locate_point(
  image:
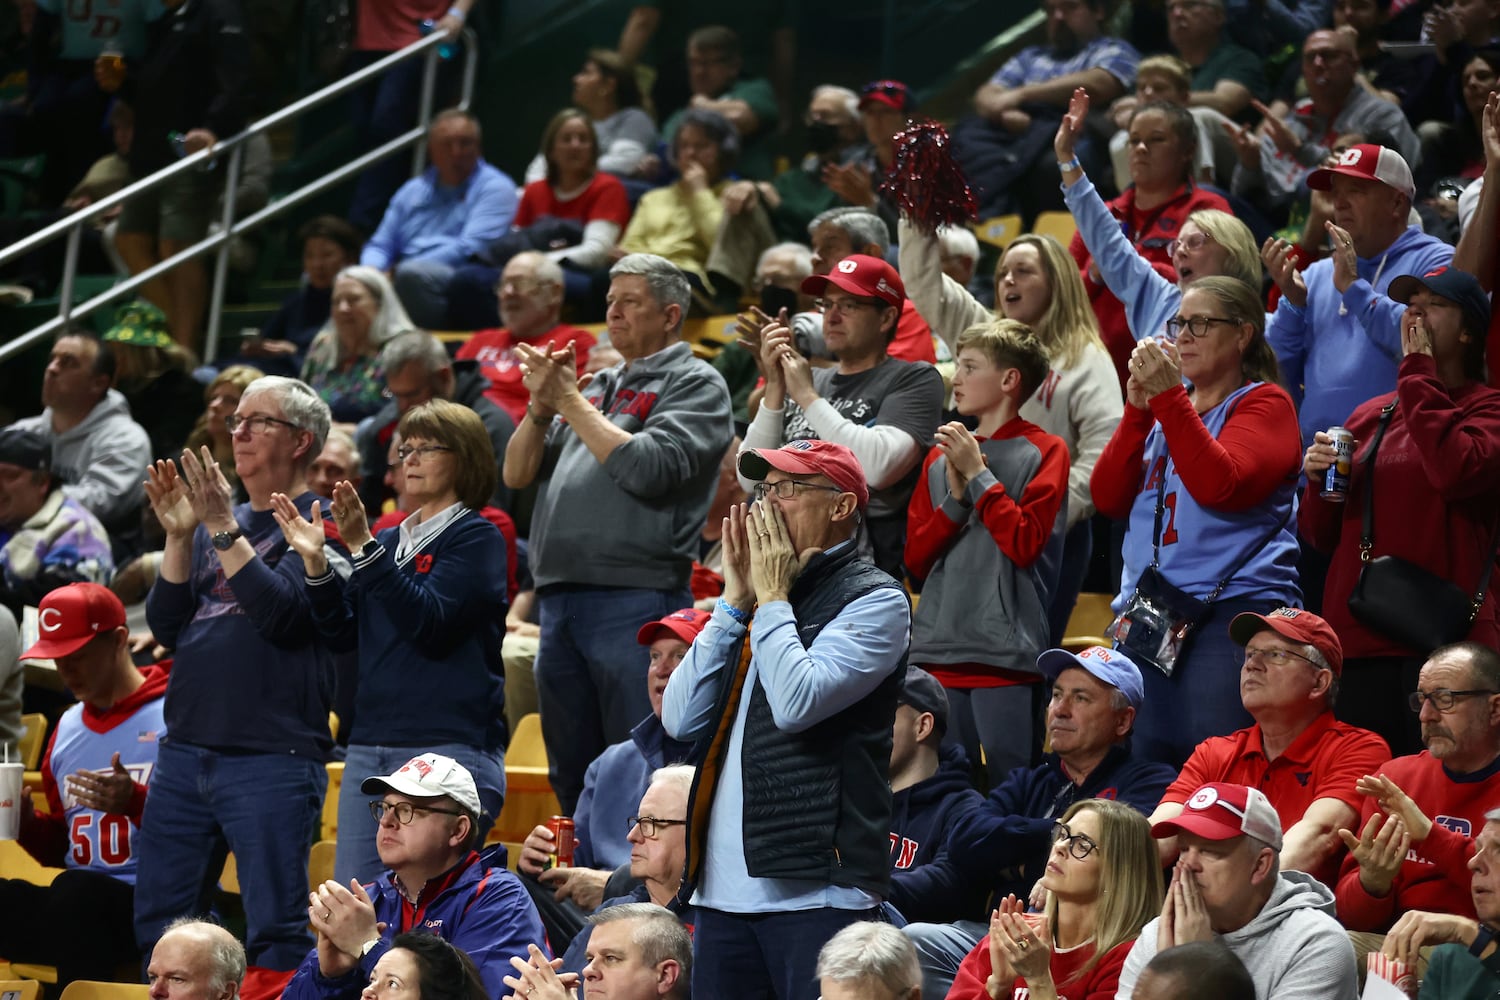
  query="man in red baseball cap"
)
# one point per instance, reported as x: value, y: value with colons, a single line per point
x: 791, y: 808
x: 884, y: 409
x: 1303, y: 759
x: 612, y: 791
x: 1229, y: 885
x: 95, y: 774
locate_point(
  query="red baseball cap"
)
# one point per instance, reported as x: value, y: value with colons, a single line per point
x: 891, y: 93
x: 810, y: 458
x: 684, y: 624
x: 859, y: 274
x: 1294, y: 624
x: 1221, y: 811
x: 72, y: 616
x: 1373, y: 163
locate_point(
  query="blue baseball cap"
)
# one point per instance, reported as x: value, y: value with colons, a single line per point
x: 1108, y: 665
x: 1458, y: 287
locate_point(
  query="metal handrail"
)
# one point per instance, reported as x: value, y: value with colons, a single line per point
x: 234, y: 146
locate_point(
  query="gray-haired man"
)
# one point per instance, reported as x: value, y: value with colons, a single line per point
x: 628, y: 464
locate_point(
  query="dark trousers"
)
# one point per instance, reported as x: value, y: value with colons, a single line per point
x: 753, y: 955
x: 80, y: 923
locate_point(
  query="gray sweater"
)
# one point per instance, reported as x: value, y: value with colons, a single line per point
x: 1294, y: 949
x: 634, y: 520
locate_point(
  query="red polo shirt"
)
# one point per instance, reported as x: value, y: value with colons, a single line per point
x: 1323, y: 762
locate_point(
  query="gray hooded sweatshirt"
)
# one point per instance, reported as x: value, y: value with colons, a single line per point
x: 102, y: 461
x: 1294, y: 948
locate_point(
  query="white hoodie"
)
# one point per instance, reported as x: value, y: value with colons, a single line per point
x: 1293, y: 949
x: 101, y: 462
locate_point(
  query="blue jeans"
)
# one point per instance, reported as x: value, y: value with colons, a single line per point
x: 356, y: 855
x: 941, y: 949
x: 591, y: 673
x: 379, y: 112
x: 754, y: 955
x: 1202, y: 697
x: 263, y: 807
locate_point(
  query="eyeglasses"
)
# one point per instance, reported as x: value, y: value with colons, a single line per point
x: 1275, y: 657
x: 406, y: 811
x: 422, y: 451
x: 1079, y: 845
x: 848, y: 305
x: 787, y: 488
x: 256, y: 425
x: 651, y: 826
x: 1190, y: 242
x: 1195, y: 327
x: 1442, y: 699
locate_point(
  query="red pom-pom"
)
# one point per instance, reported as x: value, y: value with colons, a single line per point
x: 925, y: 180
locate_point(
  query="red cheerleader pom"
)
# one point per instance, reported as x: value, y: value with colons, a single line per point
x: 925, y: 180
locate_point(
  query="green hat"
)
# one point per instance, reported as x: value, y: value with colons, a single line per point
x: 140, y: 323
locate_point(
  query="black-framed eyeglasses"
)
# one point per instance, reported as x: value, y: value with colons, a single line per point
x: 406, y: 811
x: 1275, y: 657
x: 256, y: 424
x: 1443, y: 699
x: 651, y: 826
x: 849, y: 305
x: 422, y: 451
x: 1079, y: 845
x: 787, y: 488
x: 1195, y: 327
x: 1190, y: 242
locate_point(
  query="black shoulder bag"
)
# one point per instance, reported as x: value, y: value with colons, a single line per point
x: 1157, y: 623
x: 1401, y: 600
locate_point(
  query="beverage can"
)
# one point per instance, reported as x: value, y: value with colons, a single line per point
x: 1336, y: 478
x: 109, y: 69
x: 562, y: 842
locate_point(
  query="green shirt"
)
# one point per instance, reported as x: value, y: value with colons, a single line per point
x: 755, y: 159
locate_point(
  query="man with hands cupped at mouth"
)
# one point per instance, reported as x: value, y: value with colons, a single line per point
x: 780, y: 864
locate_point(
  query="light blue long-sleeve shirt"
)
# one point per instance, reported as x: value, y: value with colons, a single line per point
x: 1343, y: 349
x: 427, y: 220
x: 846, y: 662
x: 1150, y: 300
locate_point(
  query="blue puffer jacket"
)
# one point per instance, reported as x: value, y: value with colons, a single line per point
x: 478, y: 906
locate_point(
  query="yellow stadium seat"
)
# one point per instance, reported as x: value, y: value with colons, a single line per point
x: 999, y: 231
x: 1058, y: 225
x: 529, y: 800
x: 34, y: 726
x: 320, y: 863
x: 35, y: 973
x: 330, y: 830
x: 83, y: 989
x: 20, y: 989
x: 16, y: 863
x: 1087, y: 624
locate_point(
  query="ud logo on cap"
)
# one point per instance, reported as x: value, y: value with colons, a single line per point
x: 805, y: 444
x: 419, y: 765
x: 1095, y: 653
x: 1203, y: 798
x: 1350, y: 156
x: 847, y: 266
x: 1285, y: 613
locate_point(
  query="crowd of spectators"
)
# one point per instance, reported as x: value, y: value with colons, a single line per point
x: 794, y: 621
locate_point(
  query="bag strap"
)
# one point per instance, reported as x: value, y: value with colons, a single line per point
x: 1367, y: 533
x: 1161, y: 507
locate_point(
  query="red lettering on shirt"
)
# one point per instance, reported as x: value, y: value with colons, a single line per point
x: 423, y: 563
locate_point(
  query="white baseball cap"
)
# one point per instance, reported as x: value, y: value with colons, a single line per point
x: 426, y: 776
x: 1373, y: 163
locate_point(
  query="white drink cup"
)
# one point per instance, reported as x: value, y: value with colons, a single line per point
x: 11, y: 800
